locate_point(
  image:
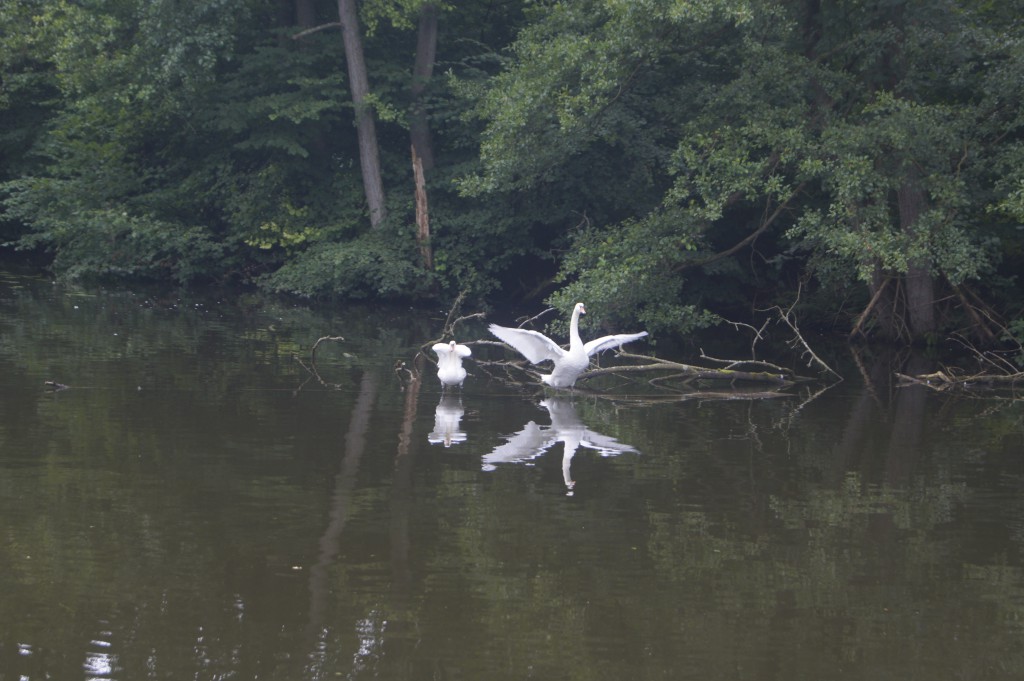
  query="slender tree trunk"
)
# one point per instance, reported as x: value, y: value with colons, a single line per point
x: 422, y: 212
x: 920, y: 286
x: 419, y: 127
x: 369, y: 154
x: 423, y: 69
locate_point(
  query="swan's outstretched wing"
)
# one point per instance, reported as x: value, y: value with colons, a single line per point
x: 608, y: 342
x: 445, y: 353
x: 532, y: 345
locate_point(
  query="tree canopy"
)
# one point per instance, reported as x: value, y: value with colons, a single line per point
x: 670, y: 162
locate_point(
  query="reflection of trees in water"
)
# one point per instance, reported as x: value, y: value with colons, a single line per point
x: 169, y: 527
x: 402, y: 489
x: 344, y: 482
x: 370, y: 629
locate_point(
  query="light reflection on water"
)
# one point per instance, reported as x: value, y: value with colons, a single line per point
x: 194, y: 506
x: 566, y: 428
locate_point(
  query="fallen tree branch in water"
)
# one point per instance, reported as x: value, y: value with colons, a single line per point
x: 691, y: 373
x: 518, y: 372
x: 997, y: 371
x: 941, y: 380
x: 786, y: 317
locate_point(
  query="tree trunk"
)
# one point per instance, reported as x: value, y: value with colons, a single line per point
x: 920, y: 286
x: 423, y: 69
x: 369, y: 154
x: 422, y: 212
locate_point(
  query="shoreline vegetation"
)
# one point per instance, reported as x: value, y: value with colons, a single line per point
x: 843, y: 169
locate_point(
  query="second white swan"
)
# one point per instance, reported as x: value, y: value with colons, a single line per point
x: 449, y: 362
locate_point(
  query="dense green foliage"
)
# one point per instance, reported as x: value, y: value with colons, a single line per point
x: 665, y: 160
x: 791, y: 134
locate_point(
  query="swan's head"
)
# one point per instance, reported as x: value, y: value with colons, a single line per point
x: 580, y: 309
x: 451, y: 344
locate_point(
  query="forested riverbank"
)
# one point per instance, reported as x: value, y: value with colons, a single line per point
x: 671, y: 163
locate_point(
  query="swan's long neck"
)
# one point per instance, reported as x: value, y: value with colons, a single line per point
x: 575, y: 342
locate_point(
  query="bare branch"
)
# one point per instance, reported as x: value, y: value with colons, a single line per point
x: 687, y: 370
x: 316, y: 29
x: 785, y: 316
x: 867, y: 310
x: 536, y: 317
x: 730, y: 363
x: 312, y: 352
x: 750, y: 238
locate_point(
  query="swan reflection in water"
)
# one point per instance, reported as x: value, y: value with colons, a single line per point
x: 566, y: 427
x: 447, y: 418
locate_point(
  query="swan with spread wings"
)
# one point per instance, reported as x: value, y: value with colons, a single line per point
x: 569, y: 364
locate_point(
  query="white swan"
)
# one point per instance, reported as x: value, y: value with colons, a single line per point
x: 569, y: 364
x: 449, y: 362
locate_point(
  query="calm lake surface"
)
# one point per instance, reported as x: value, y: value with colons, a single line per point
x: 197, y: 505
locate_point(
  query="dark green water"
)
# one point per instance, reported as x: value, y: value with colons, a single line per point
x: 196, y: 506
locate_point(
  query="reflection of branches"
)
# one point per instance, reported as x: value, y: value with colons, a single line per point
x: 866, y: 377
x: 311, y: 367
x: 787, y: 422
